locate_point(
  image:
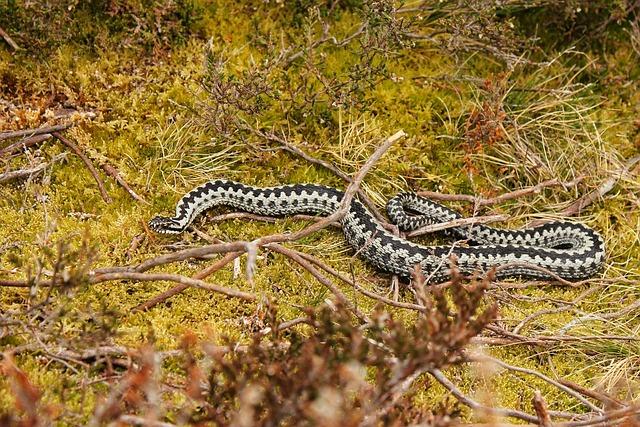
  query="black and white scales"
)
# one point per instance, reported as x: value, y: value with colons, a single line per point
x: 571, y: 251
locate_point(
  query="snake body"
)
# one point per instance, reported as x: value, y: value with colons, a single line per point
x: 569, y: 250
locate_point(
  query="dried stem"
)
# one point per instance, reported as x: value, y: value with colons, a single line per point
x: 321, y: 278
x: 578, y: 206
x: 181, y: 287
x: 73, y: 147
x: 465, y: 400
x: 32, y: 132
x: 21, y: 173
x: 177, y: 278
x: 479, y: 202
x: 22, y: 144
x: 9, y: 40
x: 113, y: 173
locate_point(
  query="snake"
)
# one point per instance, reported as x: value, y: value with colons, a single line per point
x: 556, y: 249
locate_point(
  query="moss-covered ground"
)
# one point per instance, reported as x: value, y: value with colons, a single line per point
x: 576, y: 115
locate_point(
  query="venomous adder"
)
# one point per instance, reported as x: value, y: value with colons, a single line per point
x: 568, y: 250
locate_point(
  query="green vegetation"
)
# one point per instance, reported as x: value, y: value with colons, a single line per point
x: 173, y: 93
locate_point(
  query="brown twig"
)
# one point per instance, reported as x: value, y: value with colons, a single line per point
x: 320, y: 277
x: 202, y: 274
x: 578, y: 206
x: 113, y: 173
x: 21, y: 173
x: 346, y: 200
x: 566, y: 307
x: 557, y: 384
x: 295, y: 150
x: 21, y: 145
x: 9, y: 40
x: 218, y: 248
x: 602, y: 397
x: 177, y: 278
x: 465, y: 400
x: 32, y: 132
x: 73, y: 147
x: 359, y: 288
x: 482, y: 202
x: 460, y: 222
x: 544, y: 419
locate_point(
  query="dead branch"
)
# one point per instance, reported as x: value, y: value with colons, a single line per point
x: 606, y: 316
x: 200, y: 252
x: 602, y: 397
x: 479, y: 202
x: 177, y: 278
x: 566, y: 307
x: 22, y: 173
x: 32, y: 132
x: 295, y: 150
x: 357, y: 287
x: 113, y: 173
x: 460, y: 222
x: 73, y: 147
x: 202, y: 274
x: 544, y: 419
x: 476, y: 406
x: 321, y: 278
x: 626, y: 412
x: 557, y: 384
x: 23, y: 144
x: 9, y: 40
x: 578, y: 206
x: 346, y: 200
x: 133, y: 247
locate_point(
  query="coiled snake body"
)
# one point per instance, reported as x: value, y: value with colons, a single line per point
x: 570, y: 251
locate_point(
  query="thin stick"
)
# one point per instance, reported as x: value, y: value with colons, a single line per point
x: 465, y: 400
x: 218, y: 248
x: 540, y: 375
x: 576, y: 207
x: 202, y: 274
x: 113, y: 173
x: 36, y: 131
x: 346, y: 200
x: 293, y: 149
x: 359, y: 288
x: 8, y: 39
x: 21, y: 145
x: 604, y: 398
x: 154, y: 277
x: 460, y: 222
x: 544, y: 419
x: 480, y: 202
x: 321, y: 278
x: 87, y: 163
x: 21, y: 173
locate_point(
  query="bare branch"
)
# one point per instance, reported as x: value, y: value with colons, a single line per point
x: 31, y: 132
x: 22, y: 144
x: 155, y: 277
x: 87, y: 163
x: 9, y: 40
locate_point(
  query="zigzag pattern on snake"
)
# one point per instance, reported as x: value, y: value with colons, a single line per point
x: 569, y: 250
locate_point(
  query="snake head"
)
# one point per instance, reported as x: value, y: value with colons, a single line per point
x: 164, y: 225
